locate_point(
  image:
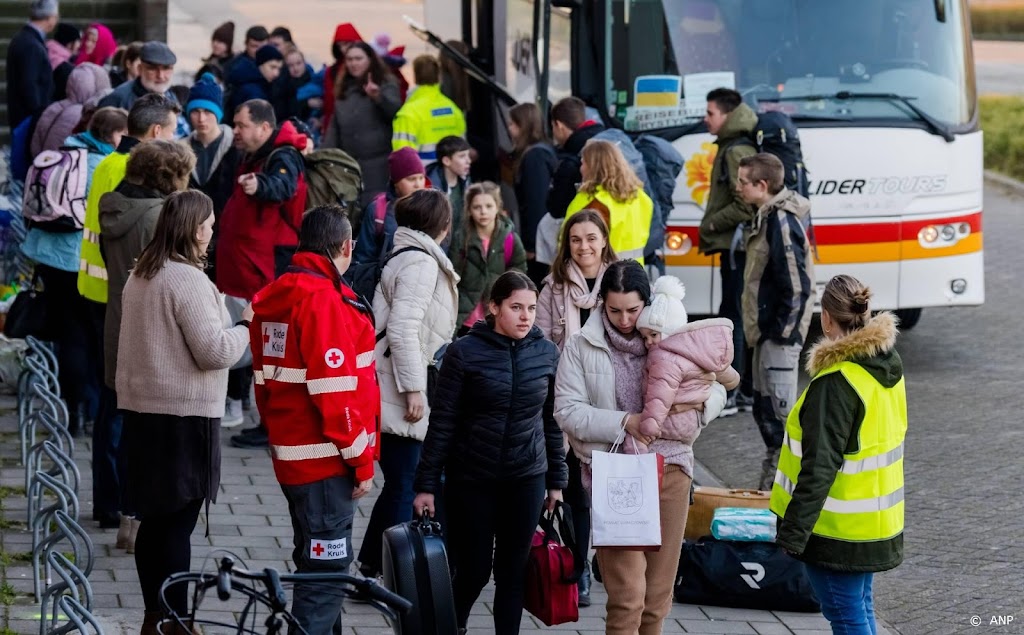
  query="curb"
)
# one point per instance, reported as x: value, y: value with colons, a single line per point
x: 705, y: 477
x: 1010, y: 183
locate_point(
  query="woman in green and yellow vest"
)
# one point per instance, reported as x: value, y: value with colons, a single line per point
x: 838, y: 491
x: 611, y: 188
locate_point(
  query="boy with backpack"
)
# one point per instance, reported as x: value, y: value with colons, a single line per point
x: 451, y: 175
x: 778, y: 296
x: 732, y: 122
x: 378, y: 228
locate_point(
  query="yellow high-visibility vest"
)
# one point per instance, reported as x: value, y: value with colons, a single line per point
x: 426, y: 117
x: 92, y: 271
x: 865, y: 502
x: 630, y: 221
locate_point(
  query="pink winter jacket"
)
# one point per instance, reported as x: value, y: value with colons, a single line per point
x: 681, y: 369
x: 86, y: 83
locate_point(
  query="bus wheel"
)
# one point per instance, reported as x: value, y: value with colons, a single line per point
x: 908, y: 318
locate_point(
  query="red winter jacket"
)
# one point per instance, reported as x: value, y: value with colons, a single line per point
x: 316, y: 381
x: 252, y: 226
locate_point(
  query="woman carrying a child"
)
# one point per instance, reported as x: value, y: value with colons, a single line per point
x: 599, y: 396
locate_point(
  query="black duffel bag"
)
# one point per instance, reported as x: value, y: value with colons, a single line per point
x: 747, y: 575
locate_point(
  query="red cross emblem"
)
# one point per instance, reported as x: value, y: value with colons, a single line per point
x: 334, y: 358
x: 318, y: 550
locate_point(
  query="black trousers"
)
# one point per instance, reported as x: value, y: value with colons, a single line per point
x: 491, y: 525
x: 163, y: 547
x: 68, y: 324
x: 578, y: 499
x: 732, y: 308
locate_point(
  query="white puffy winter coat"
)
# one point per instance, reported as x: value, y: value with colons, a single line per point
x: 417, y: 301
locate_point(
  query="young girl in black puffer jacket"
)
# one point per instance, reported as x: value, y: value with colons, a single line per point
x: 494, y: 436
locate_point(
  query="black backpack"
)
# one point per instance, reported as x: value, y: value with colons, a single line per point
x: 776, y: 134
x: 363, y: 277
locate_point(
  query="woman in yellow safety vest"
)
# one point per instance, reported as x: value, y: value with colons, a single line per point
x: 611, y: 188
x: 838, y: 491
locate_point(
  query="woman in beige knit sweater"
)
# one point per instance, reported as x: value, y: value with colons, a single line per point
x: 176, y: 345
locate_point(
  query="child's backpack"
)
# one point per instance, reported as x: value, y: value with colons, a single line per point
x: 333, y: 177
x: 54, y: 198
x: 633, y: 156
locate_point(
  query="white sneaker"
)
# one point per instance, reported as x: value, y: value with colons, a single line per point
x: 233, y: 415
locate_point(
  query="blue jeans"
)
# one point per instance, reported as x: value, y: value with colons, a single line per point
x: 398, y: 459
x: 846, y: 600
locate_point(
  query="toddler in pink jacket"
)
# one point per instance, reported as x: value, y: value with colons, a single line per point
x: 683, y: 361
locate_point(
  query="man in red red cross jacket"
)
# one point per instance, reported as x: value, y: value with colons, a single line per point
x: 316, y: 390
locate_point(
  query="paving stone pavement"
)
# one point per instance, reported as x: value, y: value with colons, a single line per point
x: 250, y: 519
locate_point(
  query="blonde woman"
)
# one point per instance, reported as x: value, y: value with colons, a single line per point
x: 611, y: 188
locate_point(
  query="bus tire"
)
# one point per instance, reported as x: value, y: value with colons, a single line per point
x: 908, y: 318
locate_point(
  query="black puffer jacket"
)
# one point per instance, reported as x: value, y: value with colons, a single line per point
x: 494, y: 418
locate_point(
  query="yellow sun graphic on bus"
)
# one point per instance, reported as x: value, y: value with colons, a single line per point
x: 698, y: 172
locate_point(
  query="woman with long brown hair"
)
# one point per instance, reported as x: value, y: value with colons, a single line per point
x: 612, y: 188
x: 535, y: 164
x: 176, y: 345
x: 366, y: 99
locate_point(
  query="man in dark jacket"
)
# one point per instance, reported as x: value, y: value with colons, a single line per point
x: 216, y: 154
x: 732, y: 122
x: 155, y: 73
x: 778, y: 296
x: 259, y: 226
x: 571, y: 130
x: 29, y: 75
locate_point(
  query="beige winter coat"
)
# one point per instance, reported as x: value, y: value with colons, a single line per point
x: 417, y: 301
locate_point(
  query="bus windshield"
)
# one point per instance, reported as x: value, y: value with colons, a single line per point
x: 781, y: 52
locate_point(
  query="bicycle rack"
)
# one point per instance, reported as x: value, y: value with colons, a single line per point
x: 65, y: 604
x: 79, y: 618
x: 42, y: 536
x: 64, y: 468
x: 58, y: 435
x: 50, y: 403
x: 71, y: 581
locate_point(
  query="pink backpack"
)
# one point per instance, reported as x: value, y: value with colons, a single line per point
x: 54, y: 197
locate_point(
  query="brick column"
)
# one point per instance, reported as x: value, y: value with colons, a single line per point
x: 152, y: 20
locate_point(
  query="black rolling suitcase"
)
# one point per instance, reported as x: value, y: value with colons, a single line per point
x: 416, y: 567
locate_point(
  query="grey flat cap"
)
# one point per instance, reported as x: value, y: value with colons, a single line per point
x: 42, y: 9
x: 158, y: 54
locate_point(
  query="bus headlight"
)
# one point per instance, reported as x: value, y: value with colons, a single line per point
x: 678, y: 242
x: 938, y: 236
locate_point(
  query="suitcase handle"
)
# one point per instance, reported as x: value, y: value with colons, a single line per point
x: 429, y: 526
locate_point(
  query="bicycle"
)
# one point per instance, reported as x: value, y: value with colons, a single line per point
x: 230, y: 578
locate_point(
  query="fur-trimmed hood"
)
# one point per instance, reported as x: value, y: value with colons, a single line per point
x: 872, y: 346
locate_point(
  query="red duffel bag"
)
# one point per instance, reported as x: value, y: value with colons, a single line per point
x: 552, y: 571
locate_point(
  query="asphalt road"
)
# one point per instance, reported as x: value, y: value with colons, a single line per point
x: 965, y: 511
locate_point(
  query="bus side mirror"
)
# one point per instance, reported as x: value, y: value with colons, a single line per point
x: 940, y: 10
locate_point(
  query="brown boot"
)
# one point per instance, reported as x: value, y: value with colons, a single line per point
x: 150, y: 623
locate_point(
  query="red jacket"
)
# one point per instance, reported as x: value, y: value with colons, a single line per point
x: 252, y: 226
x: 316, y: 380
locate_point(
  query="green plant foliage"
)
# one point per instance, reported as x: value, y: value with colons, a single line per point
x: 1002, y: 120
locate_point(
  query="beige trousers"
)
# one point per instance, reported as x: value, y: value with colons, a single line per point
x: 639, y: 583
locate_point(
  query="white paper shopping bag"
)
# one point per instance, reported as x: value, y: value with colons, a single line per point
x: 626, y: 503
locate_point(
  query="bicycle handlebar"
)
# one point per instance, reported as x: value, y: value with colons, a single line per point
x: 273, y: 580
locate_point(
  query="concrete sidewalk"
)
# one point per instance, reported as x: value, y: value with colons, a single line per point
x: 251, y: 520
